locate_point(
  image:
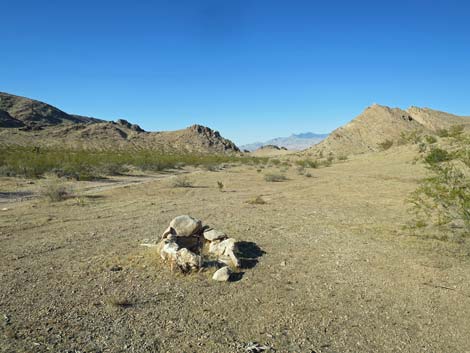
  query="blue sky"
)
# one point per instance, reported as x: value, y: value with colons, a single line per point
x: 251, y: 69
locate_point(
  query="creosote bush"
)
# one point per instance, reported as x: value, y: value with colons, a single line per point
x: 275, y: 177
x: 82, y: 164
x: 181, y: 181
x: 443, y: 199
x: 54, y: 190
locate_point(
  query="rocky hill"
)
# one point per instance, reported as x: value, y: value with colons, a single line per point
x: 25, y: 121
x: 295, y: 142
x: 378, y: 124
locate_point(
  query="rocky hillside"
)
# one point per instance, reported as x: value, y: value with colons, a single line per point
x: 24, y: 121
x: 295, y: 142
x: 378, y: 124
x: 34, y: 113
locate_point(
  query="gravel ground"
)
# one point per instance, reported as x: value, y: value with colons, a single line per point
x: 328, y: 268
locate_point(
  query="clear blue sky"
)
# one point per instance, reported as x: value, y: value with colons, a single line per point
x: 251, y: 69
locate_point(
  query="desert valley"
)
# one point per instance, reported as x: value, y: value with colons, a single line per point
x: 358, y: 243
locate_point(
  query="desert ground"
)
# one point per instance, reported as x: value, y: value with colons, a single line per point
x: 327, y: 265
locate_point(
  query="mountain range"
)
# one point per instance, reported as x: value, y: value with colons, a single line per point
x: 295, y: 142
x: 25, y: 121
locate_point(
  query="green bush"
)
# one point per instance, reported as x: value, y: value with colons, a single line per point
x: 444, y: 198
x: 436, y: 155
x: 91, y: 164
x: 307, y: 163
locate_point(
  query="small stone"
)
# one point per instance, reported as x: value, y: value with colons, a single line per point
x: 222, y: 275
x: 116, y: 268
x: 214, y: 234
x: 4, y: 209
x: 283, y: 264
x: 185, y: 226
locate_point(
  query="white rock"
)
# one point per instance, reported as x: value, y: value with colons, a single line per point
x: 187, y: 260
x: 214, y: 234
x: 185, y: 225
x: 168, y: 249
x: 222, y: 274
x: 227, y: 247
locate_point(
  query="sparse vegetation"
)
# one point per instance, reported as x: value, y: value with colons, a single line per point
x: 307, y: 163
x: 181, y: 181
x: 92, y: 164
x: 275, y: 177
x: 430, y: 139
x: 54, y: 190
x: 342, y: 158
x: 119, y: 301
x: 220, y: 185
x: 258, y: 200
x: 443, y: 199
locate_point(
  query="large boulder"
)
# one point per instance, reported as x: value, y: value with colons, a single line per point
x: 185, y: 225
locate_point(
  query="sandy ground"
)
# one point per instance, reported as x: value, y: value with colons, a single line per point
x: 329, y: 267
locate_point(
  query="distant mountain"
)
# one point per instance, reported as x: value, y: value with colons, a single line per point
x: 377, y: 124
x: 295, y: 142
x: 25, y: 121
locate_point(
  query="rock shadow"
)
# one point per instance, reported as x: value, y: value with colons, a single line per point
x: 249, y: 253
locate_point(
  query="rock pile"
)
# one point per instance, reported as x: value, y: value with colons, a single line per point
x: 186, y: 243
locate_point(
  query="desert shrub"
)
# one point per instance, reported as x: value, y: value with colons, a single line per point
x: 301, y: 170
x: 258, y: 200
x: 430, y: 139
x: 275, y: 161
x: 437, y: 155
x: 442, y: 132
x: 91, y: 164
x: 412, y: 137
x: 54, y: 190
x: 220, y: 185
x: 444, y: 198
x: 327, y: 162
x: 7, y: 171
x: 181, y: 181
x: 456, y: 130
x: 275, y: 177
x: 110, y: 169
x: 119, y: 301
x: 387, y: 144
x: 307, y: 163
x: 308, y: 175
x: 211, y: 167
x: 342, y: 158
